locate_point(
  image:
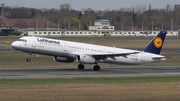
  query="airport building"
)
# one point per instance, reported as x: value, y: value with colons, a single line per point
x: 177, y: 7
x: 27, y: 23
x: 102, y: 25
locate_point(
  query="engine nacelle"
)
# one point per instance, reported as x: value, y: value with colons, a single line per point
x: 63, y: 59
x: 86, y: 59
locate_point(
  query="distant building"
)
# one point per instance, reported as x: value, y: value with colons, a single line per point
x: 177, y: 6
x: 102, y: 24
x: 27, y: 23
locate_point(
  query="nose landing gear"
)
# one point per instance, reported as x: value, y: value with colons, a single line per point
x: 29, y: 57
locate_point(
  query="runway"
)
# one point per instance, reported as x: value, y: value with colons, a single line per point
x: 89, y: 72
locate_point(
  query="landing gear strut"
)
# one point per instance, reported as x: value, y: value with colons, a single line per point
x: 29, y: 57
x: 80, y: 66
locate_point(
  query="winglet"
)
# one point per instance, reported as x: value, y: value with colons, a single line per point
x: 155, y: 45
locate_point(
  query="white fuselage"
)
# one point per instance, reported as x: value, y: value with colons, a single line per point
x: 70, y: 49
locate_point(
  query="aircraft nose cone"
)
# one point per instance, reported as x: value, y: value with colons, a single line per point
x: 14, y: 45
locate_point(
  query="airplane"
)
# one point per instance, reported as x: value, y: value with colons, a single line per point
x: 68, y: 51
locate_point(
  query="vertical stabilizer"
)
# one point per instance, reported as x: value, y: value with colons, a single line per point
x: 155, y: 45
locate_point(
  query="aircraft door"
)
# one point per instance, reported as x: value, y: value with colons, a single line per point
x: 33, y: 42
x: 65, y: 46
x: 104, y: 51
x: 143, y: 58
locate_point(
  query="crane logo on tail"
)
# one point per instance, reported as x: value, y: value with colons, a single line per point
x: 158, y: 42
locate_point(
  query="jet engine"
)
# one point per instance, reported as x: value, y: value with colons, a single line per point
x: 86, y: 59
x: 63, y: 59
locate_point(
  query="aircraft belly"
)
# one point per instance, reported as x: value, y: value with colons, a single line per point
x: 53, y: 53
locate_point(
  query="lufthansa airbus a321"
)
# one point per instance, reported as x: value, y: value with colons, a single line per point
x: 67, y: 51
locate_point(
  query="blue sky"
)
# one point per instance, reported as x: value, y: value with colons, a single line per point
x: 93, y: 4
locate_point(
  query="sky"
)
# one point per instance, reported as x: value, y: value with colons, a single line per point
x: 93, y: 4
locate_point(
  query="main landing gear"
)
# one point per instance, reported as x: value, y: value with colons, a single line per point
x: 29, y: 57
x: 96, y: 67
x: 80, y: 66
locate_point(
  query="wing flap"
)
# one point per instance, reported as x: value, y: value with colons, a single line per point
x: 114, y: 54
x: 159, y: 58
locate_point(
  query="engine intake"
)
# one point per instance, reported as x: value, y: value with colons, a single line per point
x: 86, y: 59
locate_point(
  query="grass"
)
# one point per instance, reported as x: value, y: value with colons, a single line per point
x: 102, y: 80
x: 92, y: 89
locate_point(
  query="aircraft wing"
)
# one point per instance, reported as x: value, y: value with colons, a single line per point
x: 99, y: 56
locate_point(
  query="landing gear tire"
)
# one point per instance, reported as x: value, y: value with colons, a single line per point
x: 29, y: 57
x: 28, y: 60
x: 80, y: 66
x: 96, y: 67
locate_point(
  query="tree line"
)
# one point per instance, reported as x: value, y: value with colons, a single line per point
x: 138, y: 17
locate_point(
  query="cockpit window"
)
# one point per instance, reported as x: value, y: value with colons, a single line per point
x: 23, y: 40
